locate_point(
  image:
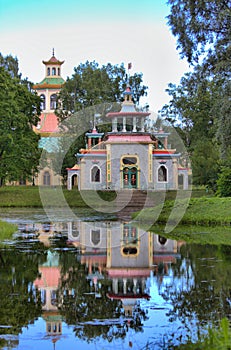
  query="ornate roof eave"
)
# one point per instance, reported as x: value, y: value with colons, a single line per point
x: 45, y: 86
x: 57, y: 62
x: 127, y: 114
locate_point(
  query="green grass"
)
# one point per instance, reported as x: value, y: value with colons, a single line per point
x: 6, y: 231
x: 203, y: 209
x: 200, y: 211
x: 218, y: 338
x: 29, y: 196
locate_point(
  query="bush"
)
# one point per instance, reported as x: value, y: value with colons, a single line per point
x: 224, y: 182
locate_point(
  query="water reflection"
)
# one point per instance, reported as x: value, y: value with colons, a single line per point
x: 107, y: 284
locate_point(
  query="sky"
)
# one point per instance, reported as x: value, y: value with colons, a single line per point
x: 105, y: 31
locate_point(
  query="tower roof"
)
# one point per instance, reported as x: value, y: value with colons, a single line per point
x: 128, y: 107
x: 53, y: 60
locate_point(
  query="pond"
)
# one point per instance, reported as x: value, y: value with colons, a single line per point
x: 101, y: 283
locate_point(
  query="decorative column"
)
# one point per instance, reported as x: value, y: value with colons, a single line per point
x: 124, y: 124
x: 134, y: 124
x: 165, y: 142
x: 114, y: 124
x: 124, y: 285
x: 135, y: 285
x: 142, y: 124
x: 115, y: 285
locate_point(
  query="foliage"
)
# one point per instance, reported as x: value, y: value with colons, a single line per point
x: 224, y: 182
x: 200, y: 298
x: 19, y: 110
x: 91, y: 85
x: 201, y: 102
x: 19, y: 306
x: 202, y: 28
x: 216, y: 338
x: 190, y: 110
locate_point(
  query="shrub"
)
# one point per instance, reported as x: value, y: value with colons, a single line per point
x: 224, y: 182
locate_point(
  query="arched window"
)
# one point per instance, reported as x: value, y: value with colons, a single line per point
x: 58, y: 71
x: 162, y: 240
x: 43, y: 102
x: 53, y: 101
x: 95, y: 174
x: 46, y: 178
x: 53, y: 71
x: 95, y: 237
x: 162, y: 174
x: 48, y: 71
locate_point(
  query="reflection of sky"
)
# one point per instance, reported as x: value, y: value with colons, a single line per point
x: 155, y: 328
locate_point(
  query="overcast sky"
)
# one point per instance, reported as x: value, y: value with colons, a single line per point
x: 105, y: 31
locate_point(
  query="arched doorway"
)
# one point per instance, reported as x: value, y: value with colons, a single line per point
x: 130, y: 177
x: 129, y: 171
x: 74, y: 180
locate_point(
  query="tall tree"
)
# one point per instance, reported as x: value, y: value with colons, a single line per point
x: 91, y: 85
x: 19, y: 110
x: 202, y: 28
x: 190, y: 109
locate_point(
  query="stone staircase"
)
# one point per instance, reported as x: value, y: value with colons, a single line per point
x: 129, y: 201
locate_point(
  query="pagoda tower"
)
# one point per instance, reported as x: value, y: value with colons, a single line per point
x: 47, y: 127
x: 48, y: 90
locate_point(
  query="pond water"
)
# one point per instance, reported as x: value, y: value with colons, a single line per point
x: 101, y: 283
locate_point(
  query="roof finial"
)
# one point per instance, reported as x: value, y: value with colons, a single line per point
x: 53, y: 52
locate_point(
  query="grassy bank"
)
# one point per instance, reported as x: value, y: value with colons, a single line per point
x: 200, y: 211
x: 30, y: 196
x: 203, y: 209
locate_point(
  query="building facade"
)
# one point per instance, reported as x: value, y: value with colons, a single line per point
x: 127, y: 157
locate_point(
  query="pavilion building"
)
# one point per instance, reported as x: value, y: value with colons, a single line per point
x: 128, y: 157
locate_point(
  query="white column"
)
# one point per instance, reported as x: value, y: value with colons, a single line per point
x: 115, y: 285
x: 69, y: 182
x: 114, y: 124
x: 124, y: 285
x: 185, y: 181
x: 142, y: 124
x: 124, y: 124
x: 134, y: 124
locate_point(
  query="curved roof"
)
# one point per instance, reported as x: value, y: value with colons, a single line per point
x: 53, y: 60
x: 54, y: 82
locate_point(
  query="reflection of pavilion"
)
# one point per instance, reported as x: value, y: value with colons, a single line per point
x: 48, y: 284
x: 125, y: 253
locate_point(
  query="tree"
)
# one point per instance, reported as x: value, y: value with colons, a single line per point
x: 202, y: 101
x: 202, y: 28
x: 224, y: 182
x: 19, y: 110
x: 191, y: 110
x: 91, y: 85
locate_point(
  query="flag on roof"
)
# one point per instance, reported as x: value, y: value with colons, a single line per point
x: 129, y: 65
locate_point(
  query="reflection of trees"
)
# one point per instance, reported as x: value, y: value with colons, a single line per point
x: 90, y: 309
x: 201, y: 285
x: 18, y: 299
